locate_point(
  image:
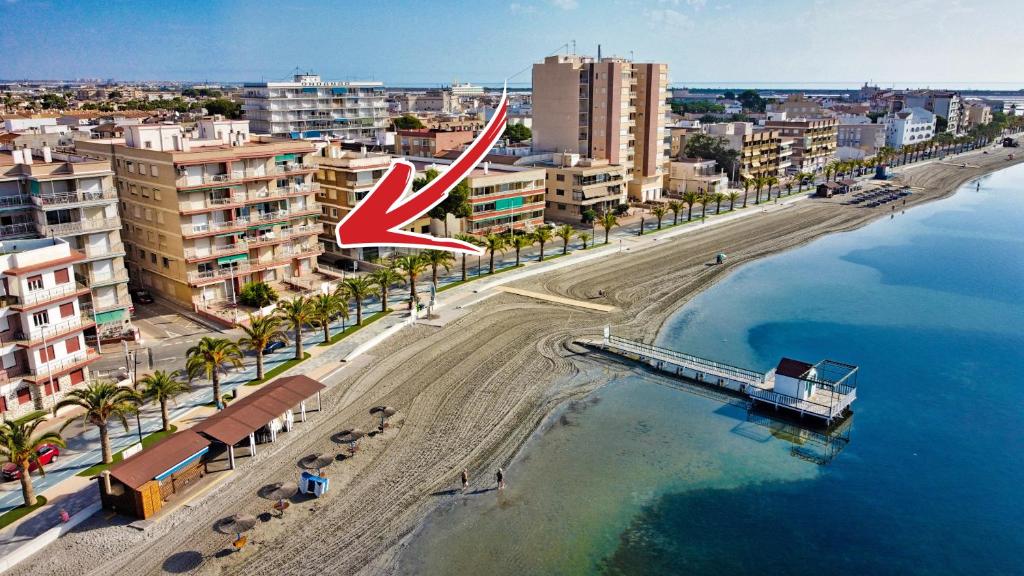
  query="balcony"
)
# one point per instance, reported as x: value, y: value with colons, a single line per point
x: 73, y: 197
x: 19, y: 230
x: 18, y: 201
x: 106, y: 279
x: 236, y: 199
x: 280, y: 258
x: 281, y: 192
x: 111, y: 251
x: 56, y: 368
x: 48, y: 332
x: 283, y: 169
x: 41, y: 297
x: 281, y: 236
x: 192, y: 254
x: 82, y: 226
x: 213, y: 227
x: 228, y: 178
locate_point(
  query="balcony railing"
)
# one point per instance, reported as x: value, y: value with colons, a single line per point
x: 294, y: 231
x: 74, y: 197
x: 212, y: 203
x: 116, y: 249
x: 89, y: 225
x: 17, y: 230
x: 107, y: 278
x: 45, y: 370
x: 39, y: 333
x: 296, y: 167
x: 16, y: 201
x: 280, y: 257
x: 215, y: 251
x: 34, y: 297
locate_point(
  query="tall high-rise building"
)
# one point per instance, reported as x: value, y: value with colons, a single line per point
x: 309, y: 107
x: 206, y: 212
x: 56, y: 195
x: 605, y: 109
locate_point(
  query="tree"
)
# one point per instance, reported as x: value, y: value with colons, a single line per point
x: 747, y: 183
x: 55, y: 101
x: 759, y: 183
x: 493, y: 243
x: 408, y: 122
x: 411, y: 265
x: 752, y: 101
x: 261, y: 331
x: 19, y: 445
x: 257, y: 294
x: 385, y: 276
x: 718, y: 197
x: 659, y: 213
x: 324, y: 307
x: 588, y: 216
x: 584, y: 238
x: 223, y: 106
x: 456, y: 203
x: 469, y: 239
x: 295, y: 314
x: 517, y: 133
x: 789, y: 186
x: 565, y: 232
x: 359, y: 288
x: 608, y: 221
x: 101, y: 402
x: 697, y: 107
x: 209, y: 359
x: 542, y: 236
x: 438, y: 259
x: 733, y: 197
x: 690, y: 198
x: 162, y: 387
x: 520, y: 241
x: 709, y: 147
x: 621, y: 209
x: 676, y: 207
x: 770, y: 181
x: 115, y: 95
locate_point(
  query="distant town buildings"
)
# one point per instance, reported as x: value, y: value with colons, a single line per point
x: 909, y: 126
x: 430, y: 142
x: 309, y: 107
x: 814, y: 141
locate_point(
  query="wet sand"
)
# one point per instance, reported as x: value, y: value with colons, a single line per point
x: 469, y: 393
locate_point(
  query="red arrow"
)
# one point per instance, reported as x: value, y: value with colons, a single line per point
x: 378, y: 219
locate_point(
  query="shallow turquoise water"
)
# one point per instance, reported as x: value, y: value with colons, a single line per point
x: 643, y: 478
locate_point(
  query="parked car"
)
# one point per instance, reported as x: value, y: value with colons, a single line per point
x: 142, y: 296
x: 47, y: 455
x: 273, y: 347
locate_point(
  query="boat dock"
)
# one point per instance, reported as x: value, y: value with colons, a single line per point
x: 824, y: 390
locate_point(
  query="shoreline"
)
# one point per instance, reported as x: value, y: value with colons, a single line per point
x: 471, y: 394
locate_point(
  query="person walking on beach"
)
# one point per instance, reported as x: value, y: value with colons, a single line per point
x: 465, y: 479
x: 501, y: 478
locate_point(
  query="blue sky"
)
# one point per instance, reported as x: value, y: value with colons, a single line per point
x: 910, y: 42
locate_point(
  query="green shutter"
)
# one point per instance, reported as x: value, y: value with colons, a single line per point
x: 234, y: 258
x: 508, y: 203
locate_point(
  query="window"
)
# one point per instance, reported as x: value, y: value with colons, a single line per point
x: 46, y: 354
x: 61, y: 276
x: 156, y: 193
x: 142, y: 254
x: 24, y: 396
x: 67, y: 310
x: 130, y: 166
x: 560, y: 177
x: 41, y: 318
x: 145, y: 192
x: 35, y: 282
x: 160, y: 220
x: 152, y: 257
x: 142, y: 167
x: 154, y: 171
x: 148, y: 144
x: 167, y: 263
x: 77, y: 377
x: 72, y: 345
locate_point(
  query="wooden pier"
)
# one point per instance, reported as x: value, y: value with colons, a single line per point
x: 823, y: 391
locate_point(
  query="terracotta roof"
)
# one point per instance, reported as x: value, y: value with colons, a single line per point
x: 249, y: 414
x: 793, y: 368
x: 158, y: 458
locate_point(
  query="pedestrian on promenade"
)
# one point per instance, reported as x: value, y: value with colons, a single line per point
x: 64, y: 516
x: 501, y: 478
x: 465, y: 479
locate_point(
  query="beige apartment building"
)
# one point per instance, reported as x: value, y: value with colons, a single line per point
x: 814, y: 141
x: 608, y: 109
x: 56, y: 195
x: 208, y: 211
x: 761, y: 150
x: 575, y: 185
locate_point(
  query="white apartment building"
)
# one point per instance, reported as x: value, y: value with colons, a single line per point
x: 309, y: 107
x: 909, y: 126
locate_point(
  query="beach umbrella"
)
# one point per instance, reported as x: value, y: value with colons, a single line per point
x: 317, y: 461
x: 282, y: 491
x: 384, y: 411
x: 352, y: 434
x: 236, y: 524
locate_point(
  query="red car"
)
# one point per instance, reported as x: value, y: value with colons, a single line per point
x: 47, y: 455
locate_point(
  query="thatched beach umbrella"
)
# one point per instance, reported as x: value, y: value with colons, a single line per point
x: 384, y: 411
x: 236, y: 524
x: 282, y: 491
x: 317, y: 462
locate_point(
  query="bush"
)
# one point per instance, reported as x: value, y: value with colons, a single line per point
x: 257, y: 294
x: 588, y: 215
x: 621, y: 209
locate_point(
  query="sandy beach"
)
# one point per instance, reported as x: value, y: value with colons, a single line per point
x: 469, y: 394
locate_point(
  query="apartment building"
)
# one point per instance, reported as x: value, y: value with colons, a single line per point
x: 208, y: 211
x: 577, y: 185
x: 345, y: 177
x: 796, y: 106
x: 43, y: 353
x: 54, y: 195
x: 308, y: 107
x: 858, y: 138
x: 430, y: 142
x: 503, y: 197
x: 943, y: 103
x: 761, y: 150
x: 977, y: 114
x: 908, y: 126
x: 607, y: 109
x: 696, y: 175
x: 814, y: 141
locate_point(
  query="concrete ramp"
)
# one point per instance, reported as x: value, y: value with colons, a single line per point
x: 557, y: 299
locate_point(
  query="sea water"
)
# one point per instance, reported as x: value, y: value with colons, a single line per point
x: 927, y: 478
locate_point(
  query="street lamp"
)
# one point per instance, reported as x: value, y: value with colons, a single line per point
x: 131, y: 361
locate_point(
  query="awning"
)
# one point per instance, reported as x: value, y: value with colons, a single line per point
x: 233, y: 258
x: 261, y: 227
x: 247, y: 415
x: 229, y: 234
x: 284, y: 157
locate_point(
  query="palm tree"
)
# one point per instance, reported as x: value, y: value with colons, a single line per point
x: 770, y: 181
x: 520, y: 241
x: 676, y: 207
x: 542, y: 236
x: 584, y: 238
x: 20, y: 446
x: 565, y: 232
x: 733, y: 197
x: 788, y: 186
x: 385, y: 276
x: 759, y: 183
x: 323, y: 309
x: 659, y: 213
x: 102, y: 400
x: 802, y: 178
x: 211, y: 357
x: 360, y: 288
x: 493, y: 243
x: 295, y: 314
x: 437, y: 259
x: 261, y: 331
x: 469, y: 239
x: 411, y: 265
x: 163, y: 387
x: 608, y: 221
x: 718, y: 198
x: 690, y: 198
x: 704, y: 200
x: 747, y: 183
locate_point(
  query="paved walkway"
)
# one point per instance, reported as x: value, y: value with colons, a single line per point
x: 557, y: 299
